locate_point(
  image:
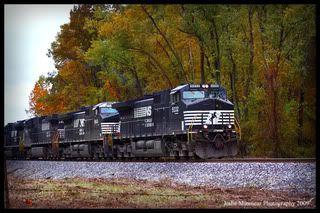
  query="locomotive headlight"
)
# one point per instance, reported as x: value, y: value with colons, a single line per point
x: 205, y: 126
x: 229, y: 126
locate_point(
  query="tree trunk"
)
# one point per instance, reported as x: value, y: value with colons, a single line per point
x: 168, y: 56
x: 165, y: 77
x: 274, y: 88
x: 209, y: 66
x: 274, y: 114
x: 233, y: 84
x: 217, y: 60
x: 138, y: 83
x: 168, y: 43
x: 157, y: 63
x: 300, y: 116
x: 202, y: 65
x: 251, y: 57
x: 261, y: 16
x: 191, y: 62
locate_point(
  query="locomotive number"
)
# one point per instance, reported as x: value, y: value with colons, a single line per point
x: 175, y: 109
x: 148, y: 123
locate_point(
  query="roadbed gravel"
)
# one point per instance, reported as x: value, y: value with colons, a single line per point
x: 294, y: 177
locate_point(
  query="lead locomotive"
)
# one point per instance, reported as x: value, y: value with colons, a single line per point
x: 187, y: 121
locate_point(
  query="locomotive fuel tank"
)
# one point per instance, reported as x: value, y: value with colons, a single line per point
x: 38, y: 152
x: 148, y: 148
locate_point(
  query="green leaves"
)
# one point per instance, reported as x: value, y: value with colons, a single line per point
x: 264, y: 55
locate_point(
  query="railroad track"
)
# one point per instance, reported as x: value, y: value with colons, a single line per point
x: 226, y: 160
x: 264, y: 160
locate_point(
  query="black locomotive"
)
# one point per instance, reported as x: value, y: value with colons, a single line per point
x: 187, y: 121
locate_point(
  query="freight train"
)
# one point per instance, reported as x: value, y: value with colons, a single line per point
x: 188, y: 121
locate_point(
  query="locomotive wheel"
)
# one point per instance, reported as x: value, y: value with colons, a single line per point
x: 218, y: 143
x: 201, y: 149
x: 205, y: 150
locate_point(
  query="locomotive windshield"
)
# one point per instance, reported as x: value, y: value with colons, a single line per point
x: 107, y: 110
x: 193, y: 94
x: 218, y: 94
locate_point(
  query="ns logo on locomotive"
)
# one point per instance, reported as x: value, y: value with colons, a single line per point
x: 190, y: 120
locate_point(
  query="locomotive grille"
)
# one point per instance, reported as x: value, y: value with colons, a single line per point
x: 215, y: 117
x: 108, y: 128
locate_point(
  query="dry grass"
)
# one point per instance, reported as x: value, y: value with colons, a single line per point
x: 128, y: 193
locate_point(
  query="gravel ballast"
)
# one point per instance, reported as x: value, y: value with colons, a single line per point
x: 287, y: 176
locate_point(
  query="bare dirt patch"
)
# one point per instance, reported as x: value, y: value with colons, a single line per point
x: 130, y: 193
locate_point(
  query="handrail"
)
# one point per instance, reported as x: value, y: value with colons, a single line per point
x: 189, y: 133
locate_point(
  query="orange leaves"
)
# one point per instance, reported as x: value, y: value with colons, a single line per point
x: 36, y: 104
x: 43, y: 103
x: 111, y: 88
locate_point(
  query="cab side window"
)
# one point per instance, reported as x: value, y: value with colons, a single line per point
x: 45, y: 125
x: 175, y: 98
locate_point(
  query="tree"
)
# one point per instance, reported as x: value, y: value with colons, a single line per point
x: 263, y: 54
x: 76, y: 78
x: 38, y: 103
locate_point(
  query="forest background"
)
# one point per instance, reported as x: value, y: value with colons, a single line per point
x: 264, y: 55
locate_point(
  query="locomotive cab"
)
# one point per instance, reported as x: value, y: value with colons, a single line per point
x: 11, y: 139
x: 211, y: 104
x: 15, y: 136
x: 107, y: 117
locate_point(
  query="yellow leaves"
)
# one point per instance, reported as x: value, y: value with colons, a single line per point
x: 121, y: 22
x: 107, y: 29
x: 67, y: 71
x: 135, y: 13
x: 75, y: 72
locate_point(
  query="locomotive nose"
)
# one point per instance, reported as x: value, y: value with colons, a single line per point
x: 209, y: 114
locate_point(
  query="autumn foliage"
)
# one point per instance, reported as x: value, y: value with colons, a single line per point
x: 263, y: 54
x: 40, y: 103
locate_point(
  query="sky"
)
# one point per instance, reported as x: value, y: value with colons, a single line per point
x: 29, y: 31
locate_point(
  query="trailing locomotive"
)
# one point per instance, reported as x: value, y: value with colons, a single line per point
x: 78, y: 134
x: 187, y: 121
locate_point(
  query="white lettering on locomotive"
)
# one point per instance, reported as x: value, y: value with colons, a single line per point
x: 148, y: 122
x: 151, y: 124
x: 215, y: 117
x: 175, y: 109
x: 110, y: 127
x: 142, y: 112
x: 149, y: 111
